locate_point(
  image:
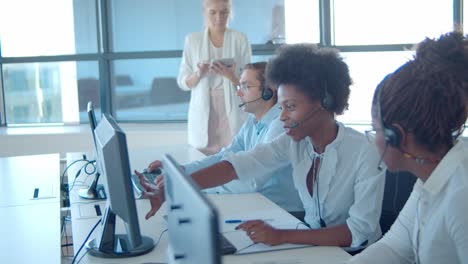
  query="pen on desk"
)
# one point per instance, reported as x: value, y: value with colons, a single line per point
x: 238, y: 221
x: 233, y: 221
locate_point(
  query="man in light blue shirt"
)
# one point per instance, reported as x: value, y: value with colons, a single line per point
x: 262, y: 126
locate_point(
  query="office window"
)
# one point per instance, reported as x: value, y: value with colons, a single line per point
x: 147, y: 89
x: 146, y: 38
x: 302, y: 21
x: 262, y: 21
x: 47, y: 27
x: 163, y: 25
x: 370, y: 22
x: 367, y: 69
x: 48, y: 92
x: 465, y: 17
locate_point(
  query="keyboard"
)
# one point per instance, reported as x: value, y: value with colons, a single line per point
x: 227, y: 247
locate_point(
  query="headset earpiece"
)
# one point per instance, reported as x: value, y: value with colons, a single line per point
x: 327, y: 102
x: 267, y: 93
x: 391, y: 133
x: 392, y: 136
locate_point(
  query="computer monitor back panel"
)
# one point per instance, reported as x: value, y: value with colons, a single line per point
x: 92, y: 123
x: 114, y: 163
x: 91, y: 116
x: 95, y: 191
x: 192, y: 219
x: 116, y: 167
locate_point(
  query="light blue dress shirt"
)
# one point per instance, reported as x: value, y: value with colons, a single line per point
x: 280, y: 186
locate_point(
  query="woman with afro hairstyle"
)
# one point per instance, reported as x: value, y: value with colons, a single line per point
x: 334, y: 167
x: 418, y: 113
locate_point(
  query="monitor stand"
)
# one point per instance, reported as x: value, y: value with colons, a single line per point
x: 95, y: 191
x: 107, y: 244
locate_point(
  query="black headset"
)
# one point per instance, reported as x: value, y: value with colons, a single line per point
x: 267, y: 92
x: 391, y: 134
x: 327, y: 101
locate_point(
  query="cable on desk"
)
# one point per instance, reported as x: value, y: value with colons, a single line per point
x: 84, y: 242
x: 66, y: 169
x: 84, y: 167
x: 160, y: 236
x: 82, y: 256
x: 64, y: 232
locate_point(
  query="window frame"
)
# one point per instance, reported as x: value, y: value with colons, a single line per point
x: 105, y: 56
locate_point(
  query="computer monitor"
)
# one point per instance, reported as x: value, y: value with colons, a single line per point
x: 191, y: 217
x: 115, y: 166
x: 95, y: 191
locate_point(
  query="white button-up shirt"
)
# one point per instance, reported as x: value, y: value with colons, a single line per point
x: 280, y: 187
x: 350, y: 187
x: 432, y: 227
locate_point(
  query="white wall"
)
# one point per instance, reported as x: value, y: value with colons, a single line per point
x: 40, y: 140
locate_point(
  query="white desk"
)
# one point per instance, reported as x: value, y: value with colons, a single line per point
x: 29, y: 228
x: 84, y: 218
x: 20, y: 175
x: 30, y: 233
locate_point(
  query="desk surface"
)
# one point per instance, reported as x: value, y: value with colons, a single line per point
x: 29, y: 228
x: 21, y: 175
x: 30, y: 233
x: 84, y: 218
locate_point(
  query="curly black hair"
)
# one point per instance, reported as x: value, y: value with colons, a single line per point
x: 427, y: 96
x: 314, y: 71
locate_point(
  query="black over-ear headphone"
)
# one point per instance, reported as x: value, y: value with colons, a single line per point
x: 391, y: 133
x: 327, y: 101
x: 267, y: 92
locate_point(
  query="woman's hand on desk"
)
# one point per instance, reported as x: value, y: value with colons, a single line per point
x: 153, y: 193
x: 261, y: 232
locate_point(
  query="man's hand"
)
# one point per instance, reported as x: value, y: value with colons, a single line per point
x: 152, y: 192
x: 261, y: 232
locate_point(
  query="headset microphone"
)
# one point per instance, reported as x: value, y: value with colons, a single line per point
x: 248, y: 102
x: 296, y: 124
x: 379, y: 165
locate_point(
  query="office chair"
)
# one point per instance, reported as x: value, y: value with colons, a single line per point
x: 398, y: 187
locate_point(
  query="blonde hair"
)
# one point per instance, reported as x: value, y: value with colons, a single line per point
x: 228, y: 3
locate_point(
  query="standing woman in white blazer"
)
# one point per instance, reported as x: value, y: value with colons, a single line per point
x: 214, y: 115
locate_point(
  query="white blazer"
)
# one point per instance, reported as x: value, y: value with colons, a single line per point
x: 196, y: 49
